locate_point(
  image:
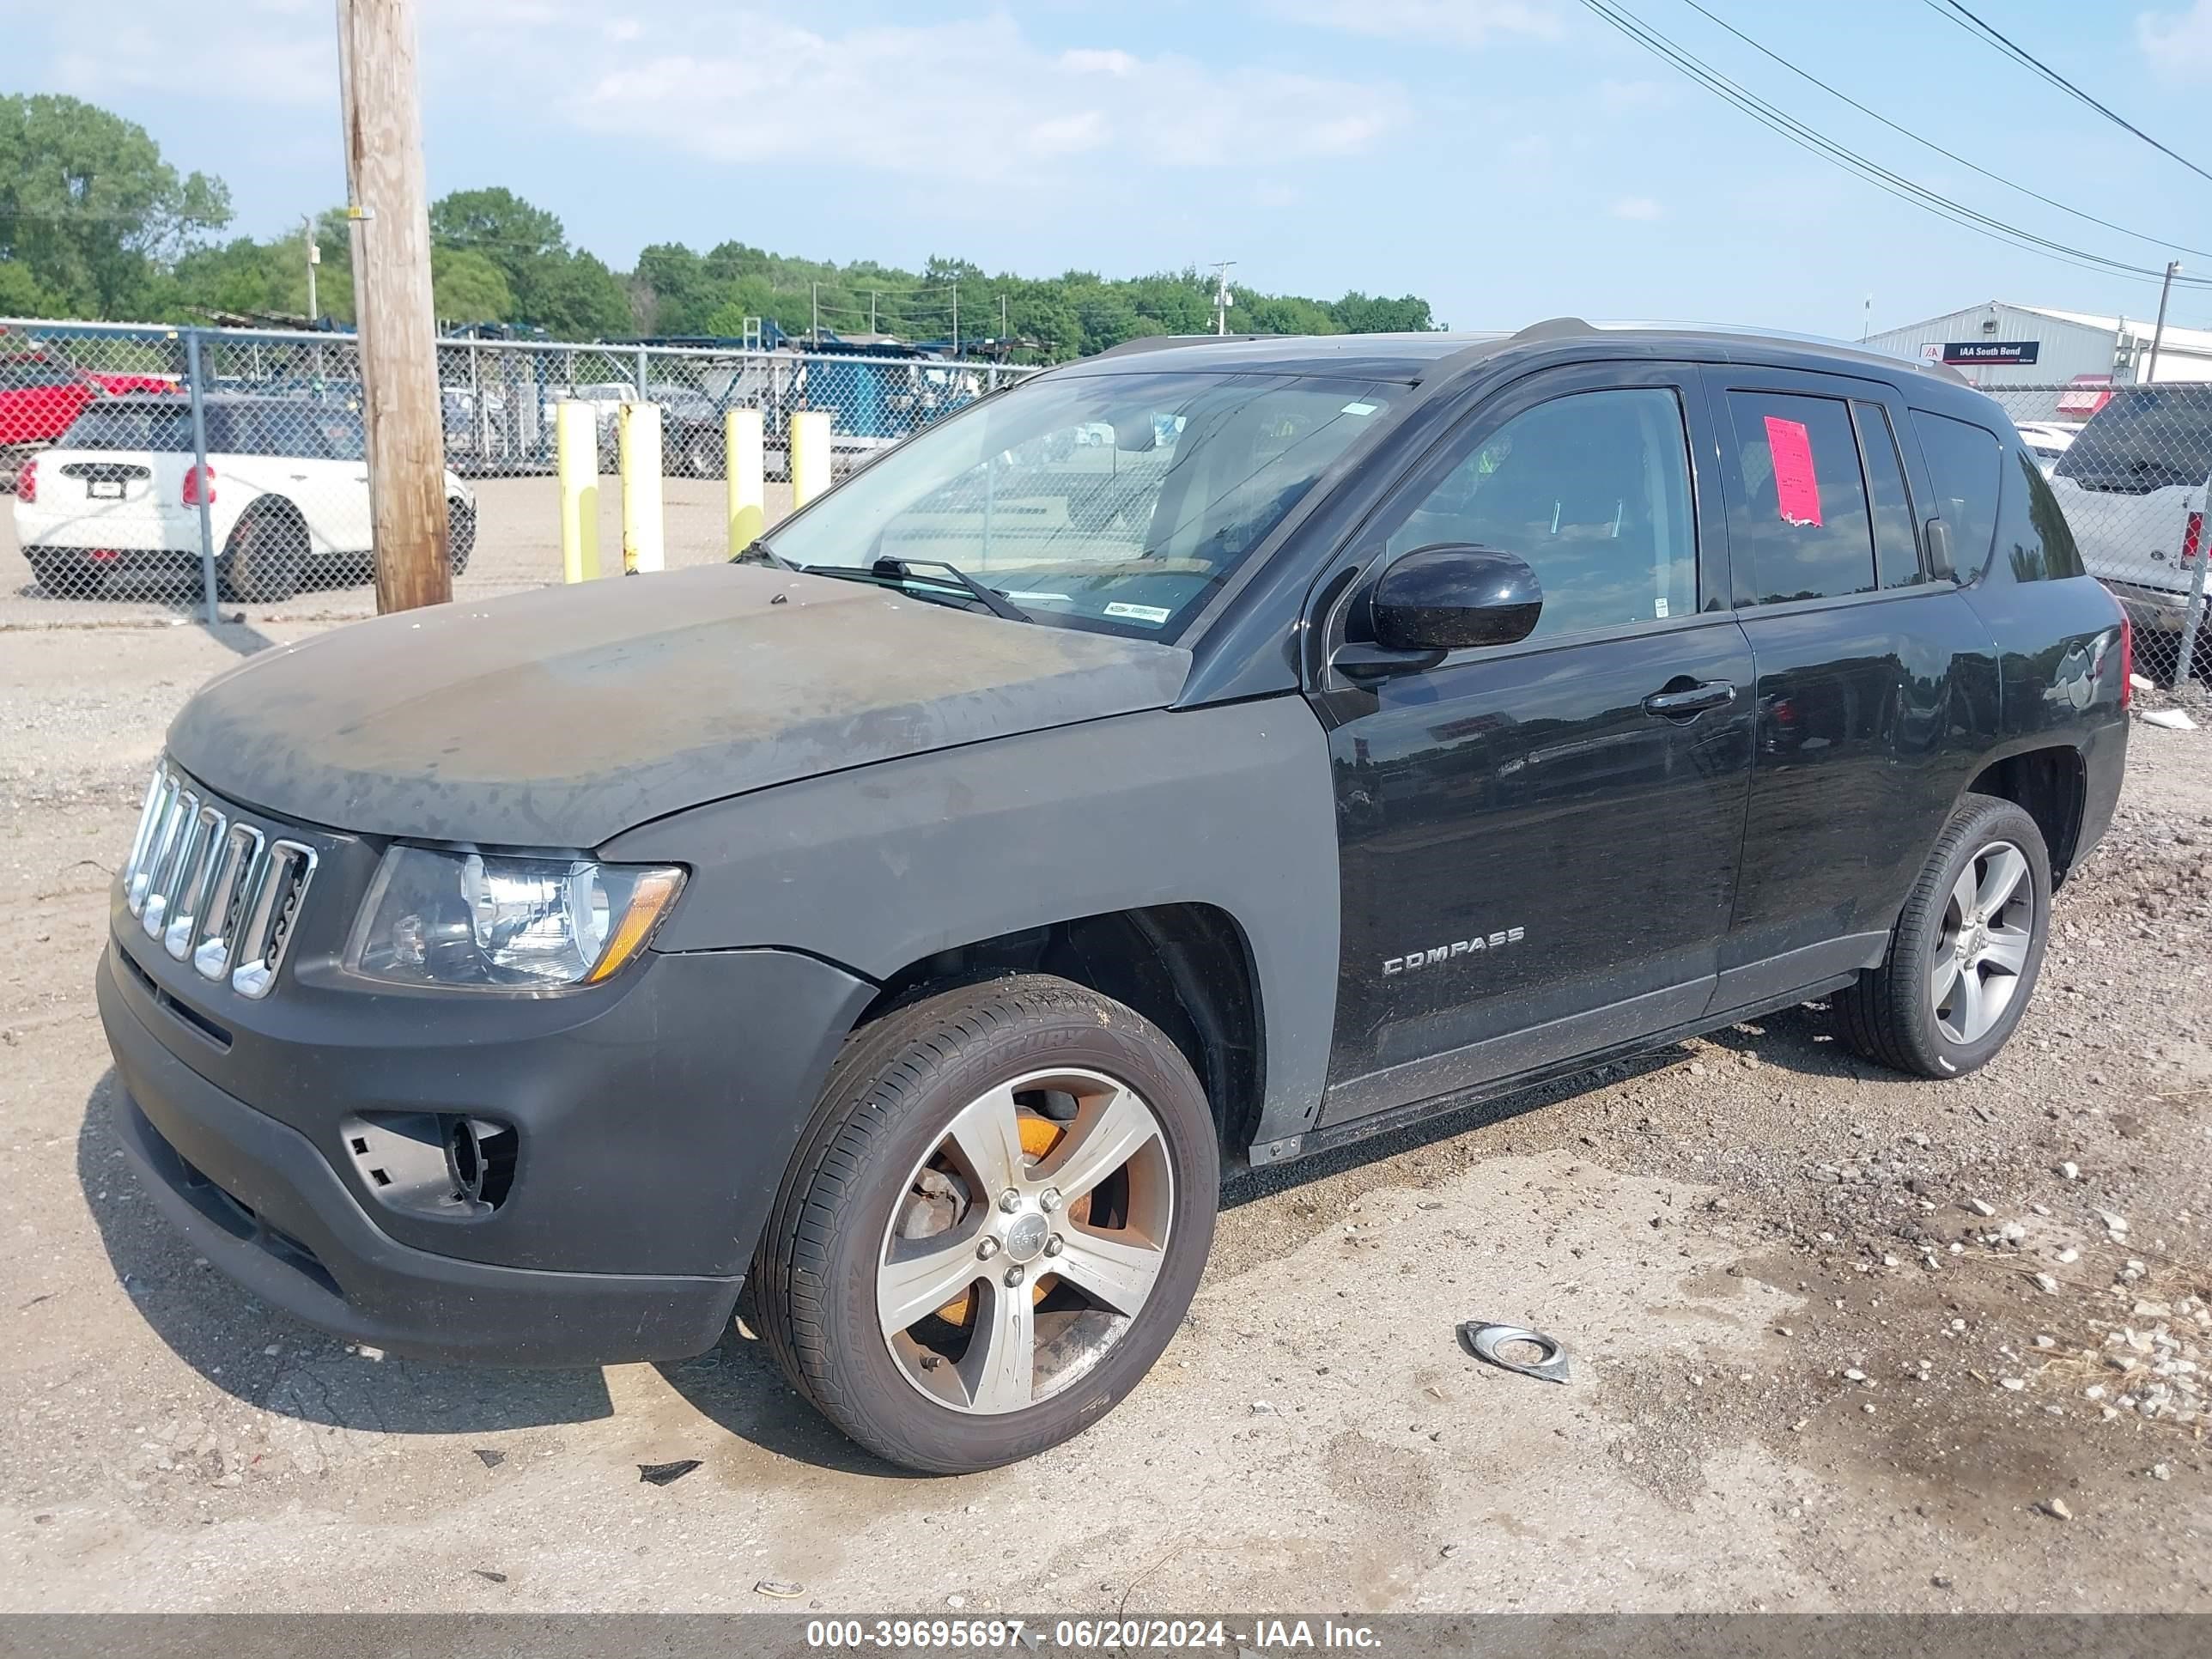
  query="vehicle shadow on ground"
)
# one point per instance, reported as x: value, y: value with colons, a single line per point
x: 225, y: 1334
x: 1801, y: 1040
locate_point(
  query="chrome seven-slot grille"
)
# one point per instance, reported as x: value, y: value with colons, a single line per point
x: 217, y: 893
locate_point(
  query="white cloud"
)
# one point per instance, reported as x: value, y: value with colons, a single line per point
x: 917, y: 100
x: 248, y: 58
x: 1446, y: 22
x: 2179, y: 45
x: 1640, y: 210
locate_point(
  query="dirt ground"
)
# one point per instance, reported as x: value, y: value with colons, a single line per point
x: 1808, y: 1339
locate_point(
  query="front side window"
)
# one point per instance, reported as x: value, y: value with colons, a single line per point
x: 1113, y: 502
x: 1962, y: 462
x: 1592, y: 489
x: 1798, y: 523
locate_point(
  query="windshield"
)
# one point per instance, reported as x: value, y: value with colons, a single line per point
x: 1111, y: 502
x: 2149, y: 436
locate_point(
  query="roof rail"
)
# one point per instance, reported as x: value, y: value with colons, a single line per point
x: 1160, y: 342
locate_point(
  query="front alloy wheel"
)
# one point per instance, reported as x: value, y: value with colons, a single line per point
x: 993, y: 1226
x: 1028, y: 1241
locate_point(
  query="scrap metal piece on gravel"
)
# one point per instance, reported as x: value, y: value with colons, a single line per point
x: 1487, y: 1341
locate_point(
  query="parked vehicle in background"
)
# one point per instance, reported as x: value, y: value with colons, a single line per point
x: 40, y: 397
x: 2132, y: 485
x: 2047, y: 440
x: 908, y: 922
x: 286, y: 486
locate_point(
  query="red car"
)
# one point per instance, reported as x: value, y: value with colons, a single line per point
x: 40, y: 398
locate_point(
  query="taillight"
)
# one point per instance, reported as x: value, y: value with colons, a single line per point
x: 26, y: 481
x: 2191, y: 535
x: 2128, y: 652
x: 197, y: 480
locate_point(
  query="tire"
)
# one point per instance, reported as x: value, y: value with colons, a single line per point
x: 61, y: 573
x: 264, y: 558
x: 460, y: 534
x: 1917, y: 1012
x: 852, y: 1224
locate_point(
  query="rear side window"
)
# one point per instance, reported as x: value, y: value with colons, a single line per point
x: 1962, y: 460
x: 1896, y: 543
x: 1798, y: 523
x: 2033, y: 543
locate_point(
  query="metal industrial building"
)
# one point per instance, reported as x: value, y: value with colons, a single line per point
x: 1998, y: 344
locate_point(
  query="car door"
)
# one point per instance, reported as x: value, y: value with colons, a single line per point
x: 333, y: 467
x: 1873, y: 673
x: 1538, y: 841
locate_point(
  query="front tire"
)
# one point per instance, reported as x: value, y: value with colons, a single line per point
x: 1964, y: 956
x: 993, y: 1224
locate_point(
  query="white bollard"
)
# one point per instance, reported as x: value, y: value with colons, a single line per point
x: 746, y: 471
x: 576, y: 459
x: 638, y: 434
x: 810, y: 455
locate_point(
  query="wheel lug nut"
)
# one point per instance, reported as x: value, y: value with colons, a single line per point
x: 1010, y: 1200
x: 1015, y: 1275
x: 1050, y: 1201
x: 986, y: 1247
x: 1054, y: 1245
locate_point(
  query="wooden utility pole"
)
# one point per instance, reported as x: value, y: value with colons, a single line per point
x: 397, y: 328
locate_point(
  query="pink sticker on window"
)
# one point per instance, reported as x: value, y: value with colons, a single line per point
x: 1796, y: 487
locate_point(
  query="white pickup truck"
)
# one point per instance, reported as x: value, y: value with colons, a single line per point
x: 2132, y: 485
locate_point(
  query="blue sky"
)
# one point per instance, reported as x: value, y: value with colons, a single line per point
x: 1509, y: 159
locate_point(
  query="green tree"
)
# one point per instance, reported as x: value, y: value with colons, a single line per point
x: 465, y: 287
x: 499, y: 224
x: 1365, y: 313
x: 21, y: 295
x: 573, y: 296
x: 88, y: 206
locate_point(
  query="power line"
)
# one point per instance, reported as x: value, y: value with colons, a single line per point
x: 1806, y: 137
x: 1955, y: 12
x: 1928, y: 143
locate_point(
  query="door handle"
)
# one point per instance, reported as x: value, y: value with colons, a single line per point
x: 299, y: 478
x: 1691, y: 700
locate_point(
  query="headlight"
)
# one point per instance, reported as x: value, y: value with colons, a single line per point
x: 485, y: 923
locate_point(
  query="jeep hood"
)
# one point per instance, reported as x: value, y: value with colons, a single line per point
x: 563, y: 717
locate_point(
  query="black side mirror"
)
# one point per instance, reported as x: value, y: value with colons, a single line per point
x: 1452, y: 595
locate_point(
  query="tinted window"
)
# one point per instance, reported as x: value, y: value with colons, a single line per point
x: 2147, y: 438
x: 2033, y: 542
x: 1798, y: 525
x: 132, y: 426
x: 1593, y: 490
x: 1896, y: 543
x: 1962, y: 462
x: 22, y: 373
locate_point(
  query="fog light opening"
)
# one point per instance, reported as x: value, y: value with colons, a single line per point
x: 480, y: 1158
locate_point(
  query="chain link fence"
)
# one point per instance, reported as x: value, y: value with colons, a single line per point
x: 2130, y: 466
x: 162, y: 472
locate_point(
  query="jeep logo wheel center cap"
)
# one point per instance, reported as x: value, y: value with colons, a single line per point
x: 1026, y: 1236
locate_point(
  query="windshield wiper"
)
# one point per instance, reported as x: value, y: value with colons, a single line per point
x: 757, y: 551
x: 997, y: 604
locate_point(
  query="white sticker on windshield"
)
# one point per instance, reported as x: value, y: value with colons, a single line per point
x: 1144, y: 613
x: 1020, y: 598
x: 1357, y: 409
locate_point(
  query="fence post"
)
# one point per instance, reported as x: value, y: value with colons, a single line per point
x: 195, y: 379
x: 576, y: 458
x: 745, y: 467
x: 809, y: 454
x: 643, y: 396
x: 637, y: 428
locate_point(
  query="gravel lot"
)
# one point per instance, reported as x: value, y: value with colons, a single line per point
x: 1815, y: 1367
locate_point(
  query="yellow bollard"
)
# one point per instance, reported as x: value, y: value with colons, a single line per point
x: 576, y: 450
x: 747, y: 493
x: 637, y: 428
x: 810, y: 455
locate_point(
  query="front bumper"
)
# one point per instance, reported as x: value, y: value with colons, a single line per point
x: 654, y: 1126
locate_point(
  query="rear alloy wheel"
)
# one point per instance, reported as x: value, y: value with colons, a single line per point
x: 264, y: 558
x: 994, y: 1225
x: 1964, y: 956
